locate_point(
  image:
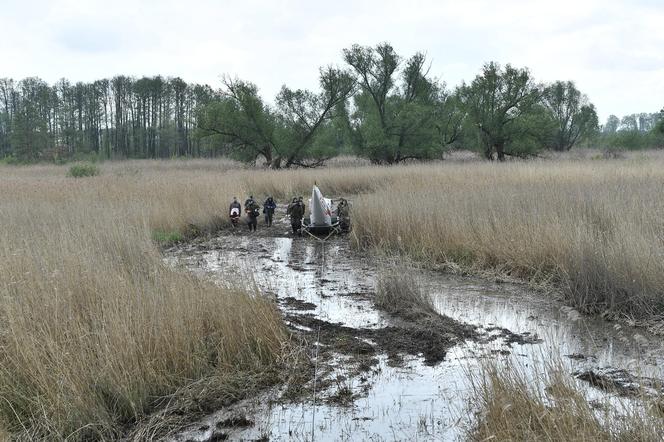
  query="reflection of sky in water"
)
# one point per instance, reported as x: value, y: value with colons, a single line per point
x: 562, y: 329
x: 415, y: 401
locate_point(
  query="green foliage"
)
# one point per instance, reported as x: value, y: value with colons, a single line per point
x: 11, y: 160
x: 80, y: 170
x: 533, y: 131
x: 573, y: 116
x: 240, y: 122
x: 167, y: 237
x: 503, y: 106
x: 399, y: 114
x: 632, y: 132
x: 283, y: 136
x: 385, y: 107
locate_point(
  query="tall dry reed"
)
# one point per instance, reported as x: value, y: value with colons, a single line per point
x: 94, y: 329
x: 96, y: 332
x: 554, y: 408
x: 593, y: 228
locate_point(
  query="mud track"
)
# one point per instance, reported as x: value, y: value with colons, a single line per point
x: 372, y: 374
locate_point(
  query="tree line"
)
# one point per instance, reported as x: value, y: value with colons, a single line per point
x: 378, y: 105
x: 123, y: 117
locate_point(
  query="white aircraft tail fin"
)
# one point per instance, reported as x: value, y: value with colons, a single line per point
x: 321, y: 209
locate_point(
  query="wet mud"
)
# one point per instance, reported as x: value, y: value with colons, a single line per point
x: 622, y: 382
x: 372, y: 374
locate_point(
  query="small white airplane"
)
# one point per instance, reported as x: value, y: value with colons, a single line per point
x: 322, y: 219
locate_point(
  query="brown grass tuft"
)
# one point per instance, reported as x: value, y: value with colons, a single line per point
x: 400, y: 293
x: 513, y: 408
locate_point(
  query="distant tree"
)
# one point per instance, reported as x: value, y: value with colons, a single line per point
x: 241, y: 120
x: 284, y: 135
x: 573, y: 115
x: 302, y: 114
x: 30, y: 123
x: 395, y: 112
x: 612, y: 124
x: 8, y: 102
x: 629, y: 123
x: 449, y: 119
x: 149, y: 117
x: 500, y: 103
x: 660, y: 124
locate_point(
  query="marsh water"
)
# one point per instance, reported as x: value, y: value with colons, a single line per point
x: 409, y: 399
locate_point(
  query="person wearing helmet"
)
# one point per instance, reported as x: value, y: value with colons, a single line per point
x: 269, y: 206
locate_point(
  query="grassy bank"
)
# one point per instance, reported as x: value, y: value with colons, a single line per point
x: 593, y: 228
x: 96, y: 333
x: 516, y: 409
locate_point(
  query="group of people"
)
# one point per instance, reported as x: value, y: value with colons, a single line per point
x: 253, y: 210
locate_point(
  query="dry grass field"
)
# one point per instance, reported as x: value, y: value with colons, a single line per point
x: 96, y: 332
x: 595, y: 229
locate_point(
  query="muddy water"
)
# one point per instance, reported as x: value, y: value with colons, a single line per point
x: 410, y: 400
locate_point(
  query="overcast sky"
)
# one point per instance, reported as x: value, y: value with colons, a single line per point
x: 613, y: 50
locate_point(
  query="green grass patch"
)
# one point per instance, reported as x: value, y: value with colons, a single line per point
x: 83, y: 170
x: 167, y: 237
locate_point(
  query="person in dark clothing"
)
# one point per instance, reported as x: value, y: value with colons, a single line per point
x: 296, y: 212
x: 252, y: 209
x: 269, y: 206
x: 235, y: 211
x: 343, y: 215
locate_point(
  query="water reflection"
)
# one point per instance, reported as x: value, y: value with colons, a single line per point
x: 413, y: 401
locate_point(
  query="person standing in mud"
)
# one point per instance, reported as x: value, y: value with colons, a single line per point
x: 343, y: 214
x: 252, y: 209
x: 269, y: 207
x: 296, y: 212
x: 235, y: 211
x: 290, y: 206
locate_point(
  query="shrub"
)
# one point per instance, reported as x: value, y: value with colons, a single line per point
x: 166, y: 237
x: 83, y: 170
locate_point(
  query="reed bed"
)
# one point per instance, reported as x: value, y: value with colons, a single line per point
x: 594, y: 229
x: 95, y: 330
x: 554, y: 408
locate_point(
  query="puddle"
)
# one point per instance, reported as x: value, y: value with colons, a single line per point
x: 580, y: 341
x: 316, y: 273
x: 411, y: 399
